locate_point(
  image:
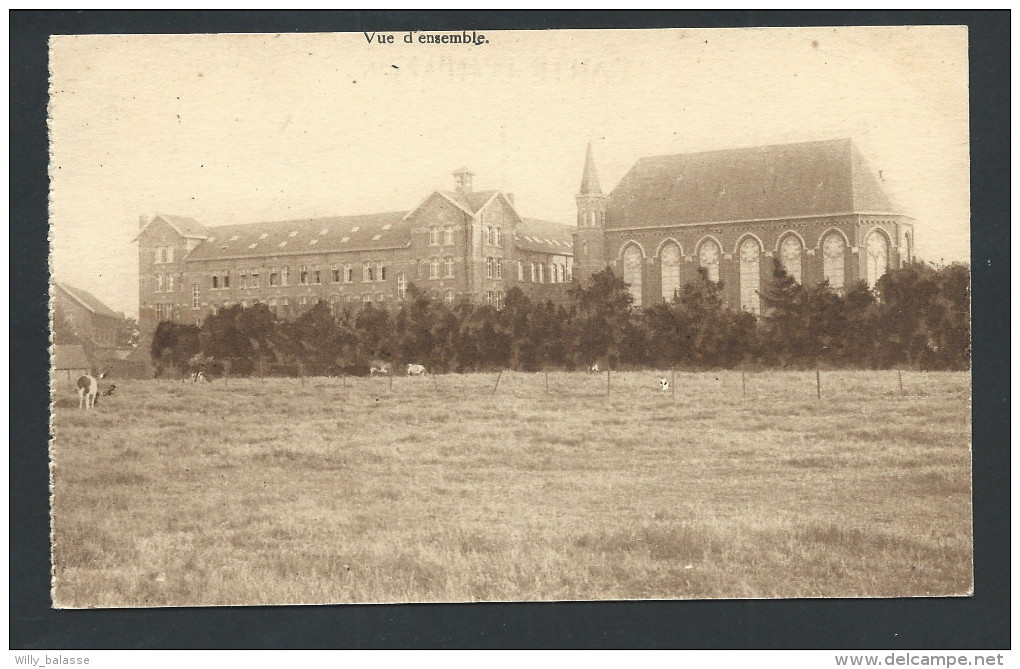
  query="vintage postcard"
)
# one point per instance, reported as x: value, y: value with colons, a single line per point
x: 457, y: 316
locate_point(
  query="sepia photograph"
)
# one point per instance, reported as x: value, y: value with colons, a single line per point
x: 510, y: 316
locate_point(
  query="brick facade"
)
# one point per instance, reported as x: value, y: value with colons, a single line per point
x: 459, y: 245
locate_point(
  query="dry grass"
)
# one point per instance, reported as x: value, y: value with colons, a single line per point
x: 281, y: 493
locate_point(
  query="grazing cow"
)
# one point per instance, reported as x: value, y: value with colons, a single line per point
x: 594, y: 369
x: 664, y: 384
x: 109, y: 391
x: 380, y: 367
x: 416, y: 370
x: 88, y: 388
x: 200, y: 376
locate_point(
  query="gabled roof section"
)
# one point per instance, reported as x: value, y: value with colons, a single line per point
x: 363, y: 232
x: 70, y: 356
x: 590, y: 178
x: 545, y: 237
x: 766, y: 182
x: 456, y: 199
x: 87, y: 300
x: 470, y: 203
x: 185, y: 227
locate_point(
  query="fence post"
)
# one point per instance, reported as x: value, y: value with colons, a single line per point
x: 497, y: 382
x: 899, y: 374
x: 301, y: 371
x: 672, y: 385
x: 546, y: 381
x: 608, y: 374
x: 818, y: 382
x: 390, y: 374
x: 743, y: 384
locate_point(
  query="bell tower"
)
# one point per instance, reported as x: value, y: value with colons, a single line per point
x: 589, y: 240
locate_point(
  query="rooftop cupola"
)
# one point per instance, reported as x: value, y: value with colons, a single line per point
x: 462, y: 180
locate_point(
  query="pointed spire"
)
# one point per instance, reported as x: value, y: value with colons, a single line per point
x: 590, y: 178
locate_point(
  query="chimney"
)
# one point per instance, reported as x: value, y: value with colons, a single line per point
x: 462, y: 180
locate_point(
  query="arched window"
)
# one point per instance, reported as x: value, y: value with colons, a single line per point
x: 708, y: 257
x: 750, y: 275
x: 632, y: 261
x: 790, y: 254
x: 669, y: 267
x: 834, y: 260
x: 877, y: 248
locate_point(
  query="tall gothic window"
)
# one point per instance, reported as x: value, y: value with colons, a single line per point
x: 632, y: 262
x: 834, y: 260
x: 790, y: 253
x: 708, y: 257
x: 877, y: 248
x: 669, y: 267
x: 750, y: 275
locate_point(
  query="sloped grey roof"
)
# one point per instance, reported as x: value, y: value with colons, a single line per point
x: 316, y: 235
x: 545, y: 237
x: 765, y: 182
x: 87, y: 300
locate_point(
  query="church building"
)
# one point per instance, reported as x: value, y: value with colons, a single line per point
x: 815, y: 206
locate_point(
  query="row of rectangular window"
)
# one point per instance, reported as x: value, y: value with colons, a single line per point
x: 164, y: 254
x: 445, y: 233
x: 558, y: 272
x: 306, y: 276
x: 401, y: 290
x: 439, y: 264
x: 164, y: 283
x: 493, y: 236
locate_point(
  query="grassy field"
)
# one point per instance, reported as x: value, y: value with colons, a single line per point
x: 278, y: 492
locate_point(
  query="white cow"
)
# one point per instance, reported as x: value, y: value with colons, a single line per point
x: 664, y: 384
x: 594, y: 369
x: 88, y: 388
x: 379, y: 367
x: 416, y: 370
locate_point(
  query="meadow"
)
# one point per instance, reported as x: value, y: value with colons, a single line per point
x: 448, y: 488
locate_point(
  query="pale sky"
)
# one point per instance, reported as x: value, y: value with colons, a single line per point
x: 248, y: 128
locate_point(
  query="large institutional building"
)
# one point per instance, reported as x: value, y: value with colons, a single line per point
x: 459, y: 245
x: 815, y: 206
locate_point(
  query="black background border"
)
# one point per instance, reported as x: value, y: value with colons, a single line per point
x: 979, y: 622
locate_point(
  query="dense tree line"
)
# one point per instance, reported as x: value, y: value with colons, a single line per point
x: 917, y: 316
